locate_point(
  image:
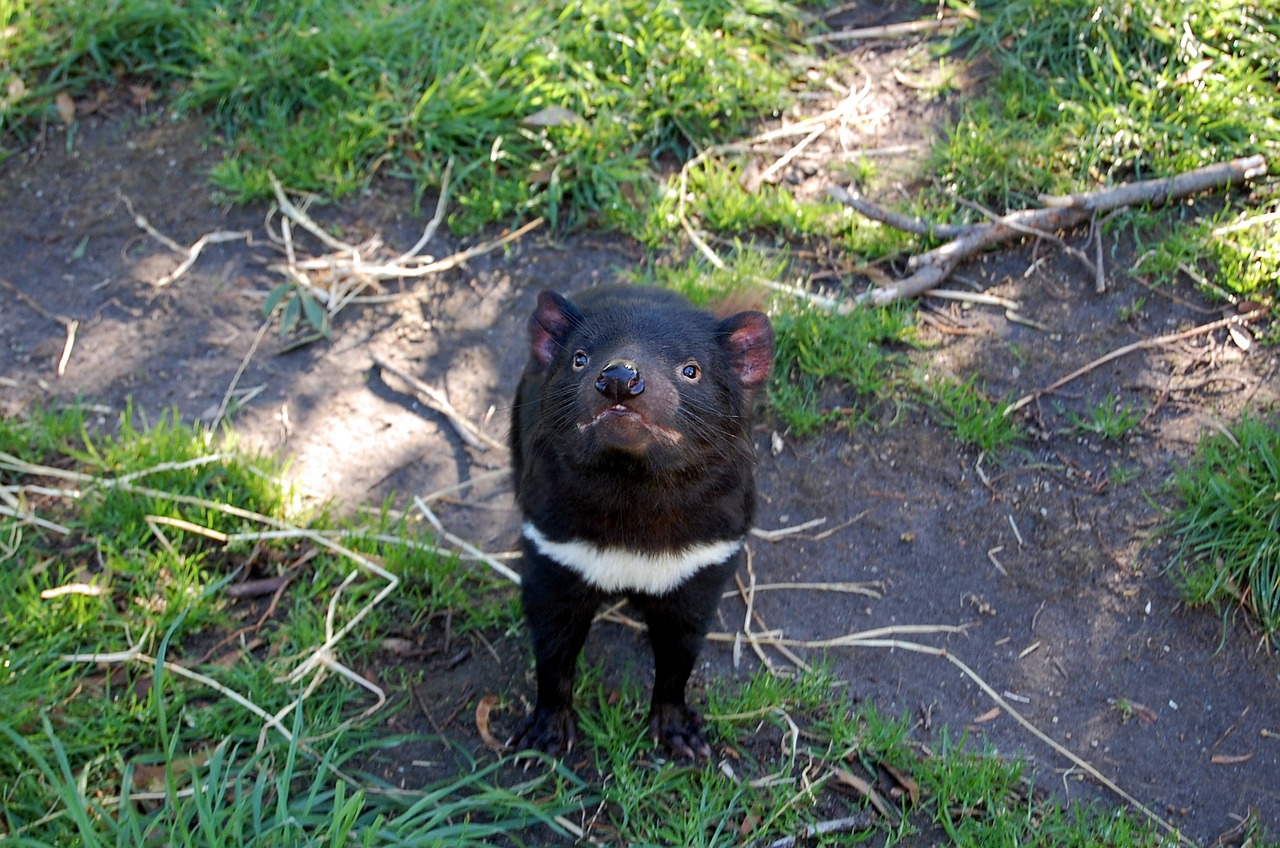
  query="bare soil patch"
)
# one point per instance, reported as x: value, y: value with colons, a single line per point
x: 1052, y: 557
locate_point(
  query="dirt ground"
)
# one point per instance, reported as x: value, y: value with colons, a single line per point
x: 1052, y: 557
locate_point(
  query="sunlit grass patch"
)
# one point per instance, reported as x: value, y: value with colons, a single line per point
x: 130, y: 671
x: 548, y: 109
x: 790, y: 750
x: 1104, y: 92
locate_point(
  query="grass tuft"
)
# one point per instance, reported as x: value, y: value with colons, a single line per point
x: 1228, y: 522
x: 818, y: 351
x: 1109, y: 418
x: 971, y: 415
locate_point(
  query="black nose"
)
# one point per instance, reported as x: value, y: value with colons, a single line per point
x: 620, y: 380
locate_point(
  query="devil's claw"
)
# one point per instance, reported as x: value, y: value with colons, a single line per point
x: 679, y: 728
x: 550, y: 731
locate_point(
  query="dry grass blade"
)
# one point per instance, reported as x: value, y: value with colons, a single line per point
x: 429, y: 231
x: 464, y: 544
x: 783, y: 532
x: 135, y: 654
x: 300, y: 217
x: 343, y: 276
x: 873, y: 589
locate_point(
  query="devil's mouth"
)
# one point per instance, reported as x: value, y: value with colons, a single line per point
x: 627, y: 417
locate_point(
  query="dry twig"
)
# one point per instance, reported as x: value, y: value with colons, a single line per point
x: 71, y: 325
x: 889, y: 30
x: 898, y: 221
x: 190, y: 254
x: 1142, y: 344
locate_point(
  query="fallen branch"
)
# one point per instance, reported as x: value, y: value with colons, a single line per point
x: 1142, y: 344
x: 1059, y: 213
x: 897, y: 220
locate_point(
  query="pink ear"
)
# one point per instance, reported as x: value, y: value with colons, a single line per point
x: 748, y: 339
x: 551, y: 321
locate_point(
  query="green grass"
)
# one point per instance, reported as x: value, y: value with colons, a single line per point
x: 818, y: 352
x: 326, y: 93
x: 966, y: 792
x: 1086, y: 94
x: 970, y: 413
x: 1227, y: 524
x: 1115, y: 91
x: 1109, y: 418
x: 77, y: 737
x: 79, y: 734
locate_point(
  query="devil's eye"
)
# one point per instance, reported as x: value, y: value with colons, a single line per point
x: 691, y: 371
x: 580, y: 360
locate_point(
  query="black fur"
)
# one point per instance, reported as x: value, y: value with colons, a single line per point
x: 631, y: 431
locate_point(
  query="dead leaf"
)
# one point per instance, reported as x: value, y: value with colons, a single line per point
x: 1230, y: 759
x: 552, y: 116
x: 149, y: 777
x: 874, y: 274
x: 227, y: 659
x: 257, y: 588
x: 750, y: 178
x: 990, y: 715
x: 66, y: 108
x: 905, y: 781
x: 1195, y: 73
x: 1241, y: 336
x: 141, y: 95
x: 400, y: 647
x: 15, y: 90
x: 1143, y: 713
x: 483, y: 709
x: 863, y: 788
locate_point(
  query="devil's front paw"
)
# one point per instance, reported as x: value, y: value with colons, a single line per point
x: 550, y: 731
x: 679, y: 727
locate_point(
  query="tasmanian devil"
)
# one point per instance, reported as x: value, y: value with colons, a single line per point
x: 633, y: 470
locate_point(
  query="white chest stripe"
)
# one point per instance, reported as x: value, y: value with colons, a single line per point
x: 618, y: 570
